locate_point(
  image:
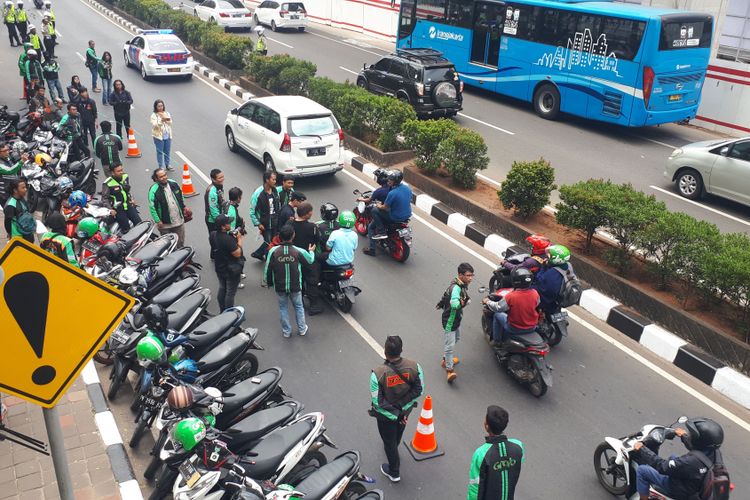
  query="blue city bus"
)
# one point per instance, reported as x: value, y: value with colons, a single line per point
x: 614, y: 62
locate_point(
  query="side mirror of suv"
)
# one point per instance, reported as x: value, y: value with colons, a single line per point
x: 234, y: 111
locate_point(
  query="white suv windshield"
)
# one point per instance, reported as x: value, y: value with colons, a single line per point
x: 312, y: 125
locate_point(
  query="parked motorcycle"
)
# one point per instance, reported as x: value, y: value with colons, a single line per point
x: 338, y: 286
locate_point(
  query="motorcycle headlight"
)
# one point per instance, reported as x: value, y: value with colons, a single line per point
x: 128, y: 276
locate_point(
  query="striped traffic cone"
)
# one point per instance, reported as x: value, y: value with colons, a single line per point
x: 424, y: 445
x: 133, y: 151
x: 187, y: 183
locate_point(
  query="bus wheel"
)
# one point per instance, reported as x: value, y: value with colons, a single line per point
x: 547, y: 101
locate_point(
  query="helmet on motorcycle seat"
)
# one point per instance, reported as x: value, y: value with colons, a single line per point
x: 395, y: 176
x: 187, y: 370
x: 42, y: 159
x: 111, y: 251
x: 149, y: 348
x: 156, y: 317
x: 180, y: 397
x: 56, y: 223
x: 64, y: 184
x: 19, y: 147
x: 189, y: 432
x: 347, y: 219
x: 558, y: 255
x: 521, y: 277
x: 77, y: 199
x: 87, y: 227
x: 539, y: 244
x: 381, y: 176
x: 703, y: 433
x: 329, y: 211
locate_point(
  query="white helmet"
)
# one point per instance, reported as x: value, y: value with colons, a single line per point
x: 260, y: 30
x: 20, y: 3
x: 31, y: 27
x: 8, y: 3
x: 31, y: 53
x: 47, y: 3
x: 46, y: 15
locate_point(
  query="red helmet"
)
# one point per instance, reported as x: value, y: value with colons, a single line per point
x: 539, y: 244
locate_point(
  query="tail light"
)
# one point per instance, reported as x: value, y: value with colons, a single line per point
x: 348, y: 273
x: 461, y: 86
x: 648, y: 83
x: 223, y: 14
x: 286, y: 144
x: 248, y: 15
x: 420, y: 88
x: 341, y: 137
x: 282, y: 13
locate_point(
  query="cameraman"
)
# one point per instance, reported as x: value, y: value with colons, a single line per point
x: 228, y: 259
x: 167, y: 205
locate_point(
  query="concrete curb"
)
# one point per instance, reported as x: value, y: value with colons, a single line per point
x: 105, y: 422
x: 664, y: 344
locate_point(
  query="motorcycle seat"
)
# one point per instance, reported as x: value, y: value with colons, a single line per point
x: 319, y: 483
x: 182, y: 310
x: 258, y: 425
x: 169, y: 263
x: 529, y: 339
x: 174, y: 291
x: 134, y: 234
x: 149, y: 252
x: 274, y: 447
x: 398, y: 225
x: 245, y: 391
x: 205, y: 334
x: 222, y: 354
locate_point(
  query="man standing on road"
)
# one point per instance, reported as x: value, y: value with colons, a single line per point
x: 22, y: 20
x: 92, y: 63
x: 454, y: 299
x: 264, y: 212
x: 9, y: 18
x: 107, y: 147
x: 51, y: 72
x: 288, y: 211
x: 213, y: 200
x: 33, y: 73
x: 167, y: 205
x: 395, y: 387
x: 306, y: 235
x: 283, y: 271
x: 496, y: 465
x: 228, y: 261
x: 8, y: 170
x: 18, y: 220
x: 116, y: 192
x: 89, y: 116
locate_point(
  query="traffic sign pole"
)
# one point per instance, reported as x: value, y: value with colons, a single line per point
x: 57, y: 449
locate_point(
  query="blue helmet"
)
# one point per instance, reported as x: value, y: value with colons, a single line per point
x: 64, y: 184
x: 187, y: 370
x: 78, y: 199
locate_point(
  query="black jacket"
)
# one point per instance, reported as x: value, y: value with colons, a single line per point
x: 121, y: 102
x: 87, y: 110
x: 157, y: 201
x: 107, y: 148
x: 686, y: 472
x: 284, y: 267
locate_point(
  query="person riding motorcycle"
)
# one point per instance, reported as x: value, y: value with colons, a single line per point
x: 395, y: 209
x: 380, y: 194
x: 680, y: 477
x: 551, y: 278
x: 516, y: 313
x: 342, y: 243
x: 538, y: 257
x: 329, y: 214
x: 56, y: 242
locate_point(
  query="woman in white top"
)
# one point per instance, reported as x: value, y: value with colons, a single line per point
x: 161, y: 130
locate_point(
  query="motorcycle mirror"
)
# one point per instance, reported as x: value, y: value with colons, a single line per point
x: 482, y: 289
x: 356, y: 191
x: 682, y: 419
x: 213, y: 392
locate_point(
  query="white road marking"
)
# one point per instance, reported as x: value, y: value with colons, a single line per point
x: 347, y: 44
x: 193, y: 168
x: 280, y: 43
x: 80, y: 57
x: 656, y: 142
x: 362, y: 332
x: 100, y: 13
x: 487, y: 124
x: 348, y: 70
x: 675, y: 195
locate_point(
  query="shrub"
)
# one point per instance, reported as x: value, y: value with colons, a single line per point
x: 424, y: 137
x: 527, y: 187
x: 387, y: 119
x: 729, y: 272
x: 464, y: 152
x: 281, y: 73
x: 583, y: 206
x: 694, y: 258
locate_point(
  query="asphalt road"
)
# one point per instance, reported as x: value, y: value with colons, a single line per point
x: 599, y: 388
x: 578, y: 149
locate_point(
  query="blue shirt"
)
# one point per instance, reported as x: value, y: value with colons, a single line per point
x: 380, y: 194
x: 343, y: 243
x: 399, y: 202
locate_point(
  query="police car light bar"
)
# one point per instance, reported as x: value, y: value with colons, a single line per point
x: 156, y: 32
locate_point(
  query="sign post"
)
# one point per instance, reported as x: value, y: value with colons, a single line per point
x: 45, y: 346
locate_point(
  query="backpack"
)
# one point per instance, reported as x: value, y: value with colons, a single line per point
x: 26, y: 222
x: 571, y: 289
x: 54, y: 247
x: 716, y: 483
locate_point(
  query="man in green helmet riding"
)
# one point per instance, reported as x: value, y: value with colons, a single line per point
x: 342, y: 243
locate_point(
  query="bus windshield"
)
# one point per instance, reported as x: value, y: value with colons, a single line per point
x: 685, y: 32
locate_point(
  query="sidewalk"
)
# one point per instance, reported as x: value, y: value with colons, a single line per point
x: 25, y: 474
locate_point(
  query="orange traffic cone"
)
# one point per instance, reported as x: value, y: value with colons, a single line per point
x: 187, y: 183
x: 133, y: 151
x: 424, y: 445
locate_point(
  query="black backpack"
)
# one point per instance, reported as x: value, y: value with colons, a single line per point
x: 716, y: 482
x: 571, y: 290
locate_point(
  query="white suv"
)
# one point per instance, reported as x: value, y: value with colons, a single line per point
x: 292, y: 135
x: 281, y: 15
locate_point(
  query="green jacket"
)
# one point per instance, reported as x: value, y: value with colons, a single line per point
x: 33, y: 70
x: 453, y: 302
x: 495, y: 469
x: 157, y: 201
x: 117, y: 191
x: 60, y: 245
x: 22, y: 64
x: 390, y: 396
x: 233, y: 212
x: 12, y: 209
x: 283, y: 268
x: 213, y: 201
x: 69, y: 128
x: 8, y: 168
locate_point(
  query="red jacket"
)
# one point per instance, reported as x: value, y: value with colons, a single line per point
x: 522, y: 313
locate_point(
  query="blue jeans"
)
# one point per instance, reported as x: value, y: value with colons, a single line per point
x: 55, y: 90
x: 501, y: 328
x: 94, y: 77
x: 299, y: 312
x: 162, y: 151
x: 647, y: 475
x: 379, y: 219
x: 106, y: 90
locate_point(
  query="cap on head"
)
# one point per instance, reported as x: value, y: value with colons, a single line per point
x: 222, y: 220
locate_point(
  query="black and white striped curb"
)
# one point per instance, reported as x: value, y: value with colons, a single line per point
x: 664, y: 344
x: 105, y: 422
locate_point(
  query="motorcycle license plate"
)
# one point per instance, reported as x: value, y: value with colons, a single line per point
x: 119, y: 336
x: 404, y: 232
x: 189, y: 473
x: 148, y: 402
x: 91, y: 246
x: 558, y: 316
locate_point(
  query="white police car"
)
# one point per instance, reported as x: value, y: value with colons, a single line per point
x: 158, y: 53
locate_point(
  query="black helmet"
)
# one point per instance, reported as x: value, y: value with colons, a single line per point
x: 395, y: 176
x: 329, y: 211
x: 703, y: 433
x: 156, y: 317
x: 521, y: 277
x: 381, y: 176
x: 112, y: 251
x: 56, y: 222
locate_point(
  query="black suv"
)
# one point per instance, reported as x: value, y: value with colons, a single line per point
x: 422, y: 77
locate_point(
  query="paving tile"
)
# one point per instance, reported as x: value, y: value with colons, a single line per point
x: 6, y: 459
x: 50, y: 490
x: 81, y: 481
x: 75, y: 454
x: 86, y: 493
x: 72, y: 442
x: 8, y: 489
x: 106, y: 488
x: 37, y: 494
x: 30, y: 482
x: 90, y: 438
x: 85, y: 423
x: 67, y: 421
x: 7, y: 474
x: 94, y: 449
x: 27, y: 468
x: 21, y: 455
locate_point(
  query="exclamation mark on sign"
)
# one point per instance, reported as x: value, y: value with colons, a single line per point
x: 27, y: 296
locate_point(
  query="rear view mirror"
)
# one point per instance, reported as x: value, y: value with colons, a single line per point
x: 234, y: 111
x: 127, y: 42
x: 356, y: 192
x: 482, y: 289
x: 724, y: 151
x: 682, y: 419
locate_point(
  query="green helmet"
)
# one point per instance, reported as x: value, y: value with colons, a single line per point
x: 149, y: 348
x: 189, y: 432
x: 87, y: 227
x: 347, y: 219
x: 558, y: 255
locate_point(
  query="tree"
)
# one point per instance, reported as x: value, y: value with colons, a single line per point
x: 424, y: 137
x: 584, y: 206
x: 527, y: 187
x: 464, y: 152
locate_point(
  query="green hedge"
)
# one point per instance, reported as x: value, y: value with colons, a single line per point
x: 281, y: 73
x: 528, y: 187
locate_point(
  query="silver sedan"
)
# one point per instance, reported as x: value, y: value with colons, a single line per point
x: 719, y: 167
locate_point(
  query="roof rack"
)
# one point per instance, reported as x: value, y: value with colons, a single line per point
x: 421, y: 54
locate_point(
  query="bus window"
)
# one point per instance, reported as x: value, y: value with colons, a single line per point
x: 432, y: 10
x: 459, y: 13
x: 685, y: 32
x: 406, y: 26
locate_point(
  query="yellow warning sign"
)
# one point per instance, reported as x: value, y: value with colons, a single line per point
x: 53, y: 318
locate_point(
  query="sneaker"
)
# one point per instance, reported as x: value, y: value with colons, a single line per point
x: 455, y: 361
x: 379, y: 236
x: 286, y: 335
x: 369, y: 252
x: 304, y: 332
x: 170, y: 169
x: 452, y: 376
x: 243, y: 276
x: 387, y: 473
x: 240, y: 286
